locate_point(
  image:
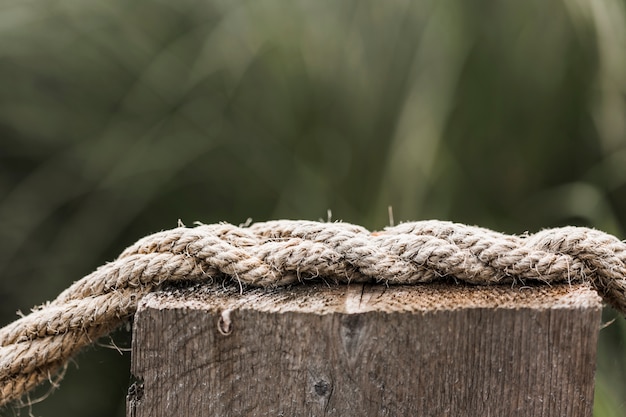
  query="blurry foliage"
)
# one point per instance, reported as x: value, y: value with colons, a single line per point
x: 117, y: 118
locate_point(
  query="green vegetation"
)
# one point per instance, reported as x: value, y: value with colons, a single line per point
x: 117, y: 118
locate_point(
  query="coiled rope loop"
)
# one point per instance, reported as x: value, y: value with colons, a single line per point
x: 33, y: 348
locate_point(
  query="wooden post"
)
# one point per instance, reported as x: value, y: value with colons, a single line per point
x: 366, y: 350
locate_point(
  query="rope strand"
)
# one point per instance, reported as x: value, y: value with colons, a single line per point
x: 33, y: 348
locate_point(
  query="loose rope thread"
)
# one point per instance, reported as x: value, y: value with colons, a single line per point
x: 34, y: 348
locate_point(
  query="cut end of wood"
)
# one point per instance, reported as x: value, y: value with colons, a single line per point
x: 359, y: 298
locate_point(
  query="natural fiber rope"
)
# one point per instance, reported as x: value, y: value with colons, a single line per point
x: 35, y: 347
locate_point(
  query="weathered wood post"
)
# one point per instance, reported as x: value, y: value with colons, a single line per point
x: 366, y: 350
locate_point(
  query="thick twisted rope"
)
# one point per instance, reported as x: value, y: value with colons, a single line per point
x: 35, y: 347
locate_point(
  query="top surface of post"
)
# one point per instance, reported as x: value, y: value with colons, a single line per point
x: 358, y: 298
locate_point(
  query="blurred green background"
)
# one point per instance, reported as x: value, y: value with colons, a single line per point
x: 118, y: 117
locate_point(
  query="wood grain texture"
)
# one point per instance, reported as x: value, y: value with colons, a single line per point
x: 363, y: 350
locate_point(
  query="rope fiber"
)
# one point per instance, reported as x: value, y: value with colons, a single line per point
x: 34, y: 348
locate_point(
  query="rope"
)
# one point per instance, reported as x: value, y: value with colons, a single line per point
x: 34, y: 348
